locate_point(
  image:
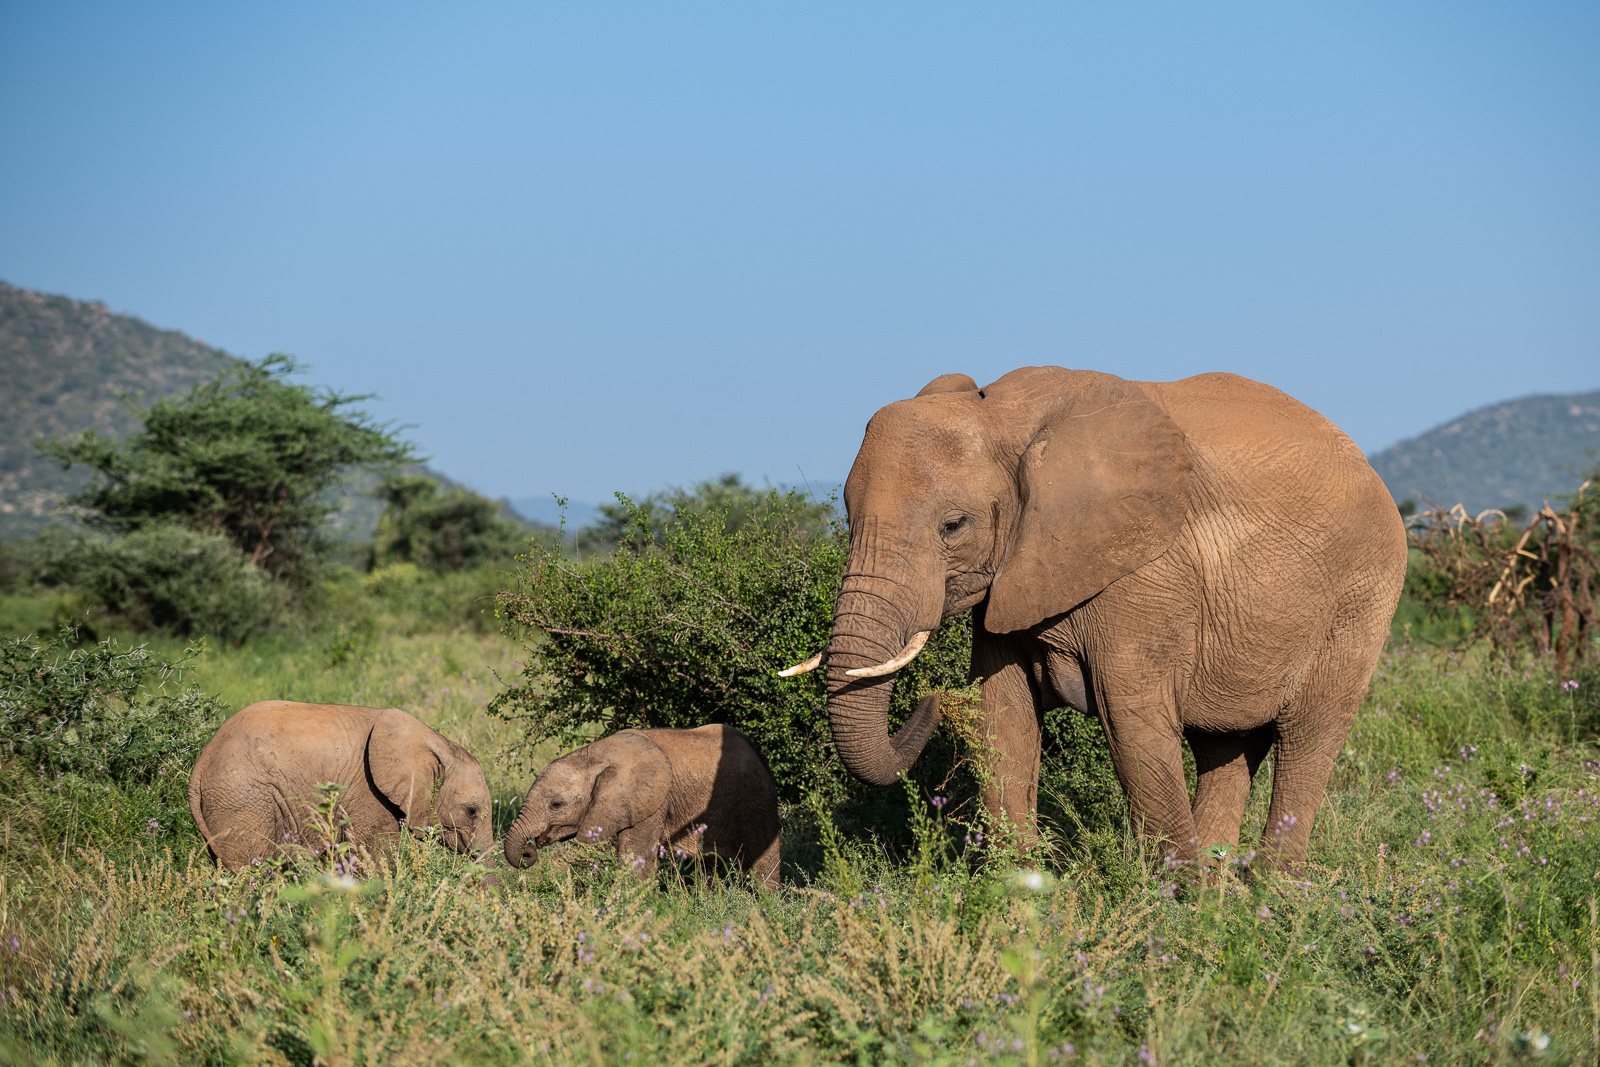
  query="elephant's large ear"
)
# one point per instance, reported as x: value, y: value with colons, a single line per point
x: 1104, y: 489
x: 406, y: 760
x: 632, y: 784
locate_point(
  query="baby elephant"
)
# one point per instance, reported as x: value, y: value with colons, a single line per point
x: 254, y: 788
x: 695, y: 792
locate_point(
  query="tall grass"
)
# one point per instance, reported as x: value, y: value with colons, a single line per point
x: 1447, y: 911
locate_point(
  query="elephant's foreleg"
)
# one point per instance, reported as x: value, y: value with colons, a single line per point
x: 1009, y: 736
x: 1147, y: 753
x: 1226, y: 765
x: 639, y: 847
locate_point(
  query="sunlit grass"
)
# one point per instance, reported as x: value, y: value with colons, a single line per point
x: 1445, y: 912
x: 444, y: 679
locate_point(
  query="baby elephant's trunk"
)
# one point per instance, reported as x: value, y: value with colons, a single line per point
x: 521, y: 849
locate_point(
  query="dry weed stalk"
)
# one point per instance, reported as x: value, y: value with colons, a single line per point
x: 1536, y: 589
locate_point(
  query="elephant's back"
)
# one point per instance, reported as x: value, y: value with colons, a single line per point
x: 1282, y: 500
x: 705, y: 752
x: 1241, y: 423
x: 288, y: 730
x: 1260, y: 452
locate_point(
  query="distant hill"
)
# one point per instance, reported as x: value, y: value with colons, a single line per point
x: 1517, y: 452
x: 64, y: 366
x: 64, y: 363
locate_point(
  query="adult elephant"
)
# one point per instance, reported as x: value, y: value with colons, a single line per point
x: 1206, y: 559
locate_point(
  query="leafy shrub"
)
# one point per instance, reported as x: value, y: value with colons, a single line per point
x: 694, y: 630
x: 99, y: 712
x: 416, y: 600
x: 16, y: 564
x: 171, y: 579
x: 1080, y: 797
x: 451, y: 530
x: 728, y: 497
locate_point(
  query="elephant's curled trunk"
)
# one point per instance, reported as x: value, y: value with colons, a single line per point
x: 520, y: 847
x: 858, y: 708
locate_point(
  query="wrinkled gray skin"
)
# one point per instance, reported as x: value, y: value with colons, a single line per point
x: 253, y: 792
x: 1206, y: 560
x: 652, y: 790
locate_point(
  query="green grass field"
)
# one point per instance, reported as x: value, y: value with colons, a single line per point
x: 1448, y: 912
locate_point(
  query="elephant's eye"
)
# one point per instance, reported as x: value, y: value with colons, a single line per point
x: 472, y: 813
x: 953, y: 525
x: 557, y: 802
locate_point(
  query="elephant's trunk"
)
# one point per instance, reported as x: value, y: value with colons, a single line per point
x: 521, y: 848
x: 869, y: 629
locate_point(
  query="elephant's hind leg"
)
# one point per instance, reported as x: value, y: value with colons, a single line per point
x: 243, y: 828
x: 1226, y: 765
x: 1317, y: 716
x: 764, y: 868
x: 1311, y: 734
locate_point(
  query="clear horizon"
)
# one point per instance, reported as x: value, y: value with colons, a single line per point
x: 592, y: 251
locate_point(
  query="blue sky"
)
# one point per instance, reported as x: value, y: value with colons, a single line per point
x: 590, y: 248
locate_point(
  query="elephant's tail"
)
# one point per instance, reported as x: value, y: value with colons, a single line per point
x: 194, y: 809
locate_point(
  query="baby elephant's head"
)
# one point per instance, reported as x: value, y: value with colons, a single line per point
x: 432, y: 780
x: 601, y: 789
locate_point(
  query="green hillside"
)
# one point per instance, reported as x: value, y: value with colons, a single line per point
x: 1521, y: 451
x: 65, y: 363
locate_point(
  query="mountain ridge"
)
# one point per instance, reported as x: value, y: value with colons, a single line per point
x: 70, y: 366
x: 74, y: 365
x: 1519, y: 452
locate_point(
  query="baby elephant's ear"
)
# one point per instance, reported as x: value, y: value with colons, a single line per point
x: 405, y: 759
x: 632, y: 784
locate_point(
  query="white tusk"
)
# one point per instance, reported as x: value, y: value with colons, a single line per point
x: 800, y: 668
x: 906, y: 655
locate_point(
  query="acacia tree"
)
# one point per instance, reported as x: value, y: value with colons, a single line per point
x: 249, y: 455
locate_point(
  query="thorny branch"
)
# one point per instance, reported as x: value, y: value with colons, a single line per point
x: 1536, y: 589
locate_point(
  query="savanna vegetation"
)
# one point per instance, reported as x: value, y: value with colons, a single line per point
x: 1448, y: 911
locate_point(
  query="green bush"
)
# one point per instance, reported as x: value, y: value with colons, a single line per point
x: 16, y: 566
x: 694, y: 630
x: 171, y: 579
x: 728, y: 497
x: 452, y: 530
x: 100, y: 712
x: 96, y: 743
x: 415, y: 600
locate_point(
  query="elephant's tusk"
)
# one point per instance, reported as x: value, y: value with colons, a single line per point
x: 906, y: 655
x: 800, y: 668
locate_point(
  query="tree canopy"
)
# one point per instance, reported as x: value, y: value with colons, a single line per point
x: 249, y: 455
